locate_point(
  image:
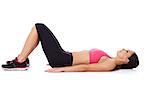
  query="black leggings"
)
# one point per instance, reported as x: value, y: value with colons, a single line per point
x: 55, y: 55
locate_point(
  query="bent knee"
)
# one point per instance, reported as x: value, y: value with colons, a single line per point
x: 39, y: 24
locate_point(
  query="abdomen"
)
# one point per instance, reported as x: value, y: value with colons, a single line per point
x: 80, y: 57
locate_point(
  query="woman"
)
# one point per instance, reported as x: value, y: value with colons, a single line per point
x: 63, y: 61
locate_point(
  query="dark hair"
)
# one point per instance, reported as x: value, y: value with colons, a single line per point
x: 133, y: 63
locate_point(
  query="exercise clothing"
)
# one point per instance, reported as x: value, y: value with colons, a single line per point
x: 96, y: 54
x: 55, y: 54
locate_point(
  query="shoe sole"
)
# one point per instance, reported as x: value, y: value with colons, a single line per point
x: 15, y: 69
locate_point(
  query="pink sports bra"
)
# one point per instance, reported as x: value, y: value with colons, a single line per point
x: 96, y: 54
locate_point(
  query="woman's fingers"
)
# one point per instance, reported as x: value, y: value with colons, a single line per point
x: 54, y: 70
x: 50, y: 70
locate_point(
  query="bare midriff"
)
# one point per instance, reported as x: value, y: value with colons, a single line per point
x: 81, y: 57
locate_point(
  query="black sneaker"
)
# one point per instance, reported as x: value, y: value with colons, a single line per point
x: 9, y: 62
x: 14, y: 65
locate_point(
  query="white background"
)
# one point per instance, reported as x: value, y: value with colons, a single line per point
x: 78, y: 25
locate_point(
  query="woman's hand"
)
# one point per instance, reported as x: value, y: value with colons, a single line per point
x: 55, y: 70
x: 75, y: 68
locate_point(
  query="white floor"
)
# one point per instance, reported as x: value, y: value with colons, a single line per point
x: 37, y: 84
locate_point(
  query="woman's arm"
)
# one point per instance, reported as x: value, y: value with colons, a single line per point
x: 74, y: 68
x: 96, y: 67
x: 99, y: 67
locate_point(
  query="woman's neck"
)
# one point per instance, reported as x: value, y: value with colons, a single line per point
x: 117, y: 60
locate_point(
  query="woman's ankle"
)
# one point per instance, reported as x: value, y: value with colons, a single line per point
x: 20, y: 59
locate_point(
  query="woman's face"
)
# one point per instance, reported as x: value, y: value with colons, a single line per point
x: 124, y: 53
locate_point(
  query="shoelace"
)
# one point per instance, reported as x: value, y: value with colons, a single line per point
x: 14, y: 61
